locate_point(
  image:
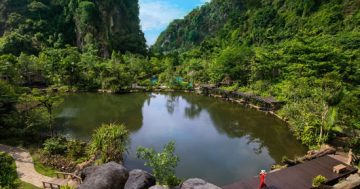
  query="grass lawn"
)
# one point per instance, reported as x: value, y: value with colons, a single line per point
x: 40, y: 168
x: 25, y: 185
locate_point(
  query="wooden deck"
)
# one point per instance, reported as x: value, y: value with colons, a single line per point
x: 299, y: 176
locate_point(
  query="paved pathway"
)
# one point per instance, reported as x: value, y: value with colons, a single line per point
x: 25, y: 165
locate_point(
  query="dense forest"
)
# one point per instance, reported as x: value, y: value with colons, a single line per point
x: 303, y: 52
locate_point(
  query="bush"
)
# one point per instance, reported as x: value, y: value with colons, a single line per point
x: 354, y: 143
x: 8, y: 175
x: 58, y: 162
x: 55, y: 146
x: 145, y: 83
x: 76, y: 149
x: 67, y: 187
x: 162, y: 163
x: 110, y: 142
x: 318, y: 180
x: 234, y: 87
x: 63, y: 155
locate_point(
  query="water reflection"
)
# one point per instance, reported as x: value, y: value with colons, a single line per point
x: 171, y: 101
x: 81, y: 114
x: 216, y: 140
x: 236, y: 121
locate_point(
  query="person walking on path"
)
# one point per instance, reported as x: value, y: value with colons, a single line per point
x: 262, y: 179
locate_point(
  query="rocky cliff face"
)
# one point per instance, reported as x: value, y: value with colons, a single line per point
x: 199, y: 24
x: 104, y: 25
x: 114, y: 24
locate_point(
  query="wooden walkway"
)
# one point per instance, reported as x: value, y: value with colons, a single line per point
x: 297, y: 177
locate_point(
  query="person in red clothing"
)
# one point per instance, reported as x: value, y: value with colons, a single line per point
x: 262, y: 179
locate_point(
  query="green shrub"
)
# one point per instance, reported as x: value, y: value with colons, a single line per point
x: 354, y: 143
x: 76, y: 149
x: 234, y: 87
x: 67, y: 187
x: 8, y: 175
x: 162, y: 163
x: 146, y: 82
x: 63, y: 155
x: 110, y: 141
x: 318, y: 180
x: 57, y: 162
x: 54, y: 146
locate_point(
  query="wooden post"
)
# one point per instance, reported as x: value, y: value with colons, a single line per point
x: 349, y: 161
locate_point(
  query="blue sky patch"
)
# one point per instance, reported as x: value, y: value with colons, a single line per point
x: 155, y: 15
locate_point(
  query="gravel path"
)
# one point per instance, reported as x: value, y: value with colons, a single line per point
x: 25, y: 165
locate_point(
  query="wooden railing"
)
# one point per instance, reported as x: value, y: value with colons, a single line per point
x: 61, y: 179
x: 51, y: 185
x: 69, y: 176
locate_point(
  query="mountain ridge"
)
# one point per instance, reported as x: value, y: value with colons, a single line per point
x: 256, y: 22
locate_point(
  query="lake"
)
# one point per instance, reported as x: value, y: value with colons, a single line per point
x: 218, y: 141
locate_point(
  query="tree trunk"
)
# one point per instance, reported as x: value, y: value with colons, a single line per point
x: 51, y: 122
x: 323, y: 122
x: 321, y: 133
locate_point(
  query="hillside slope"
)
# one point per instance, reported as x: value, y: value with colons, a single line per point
x: 305, y: 53
x: 258, y: 22
x: 105, y: 25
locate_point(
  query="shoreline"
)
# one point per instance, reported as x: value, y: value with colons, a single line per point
x: 226, y: 97
x: 213, y: 93
x: 196, y: 91
x: 239, y: 101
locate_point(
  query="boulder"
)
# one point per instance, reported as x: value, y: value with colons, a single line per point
x: 139, y: 179
x: 88, y: 171
x: 108, y: 176
x: 158, y: 187
x: 353, y: 181
x: 196, y: 183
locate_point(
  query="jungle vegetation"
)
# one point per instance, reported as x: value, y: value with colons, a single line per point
x: 303, y: 52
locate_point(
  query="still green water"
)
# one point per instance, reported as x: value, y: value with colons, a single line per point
x: 218, y: 141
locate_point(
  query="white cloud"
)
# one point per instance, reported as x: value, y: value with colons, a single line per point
x: 158, y: 14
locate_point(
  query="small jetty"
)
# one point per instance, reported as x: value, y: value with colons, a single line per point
x: 299, y: 176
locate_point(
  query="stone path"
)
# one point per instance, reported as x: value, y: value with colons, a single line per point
x: 25, y: 166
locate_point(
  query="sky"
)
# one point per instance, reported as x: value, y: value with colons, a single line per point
x: 156, y: 15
